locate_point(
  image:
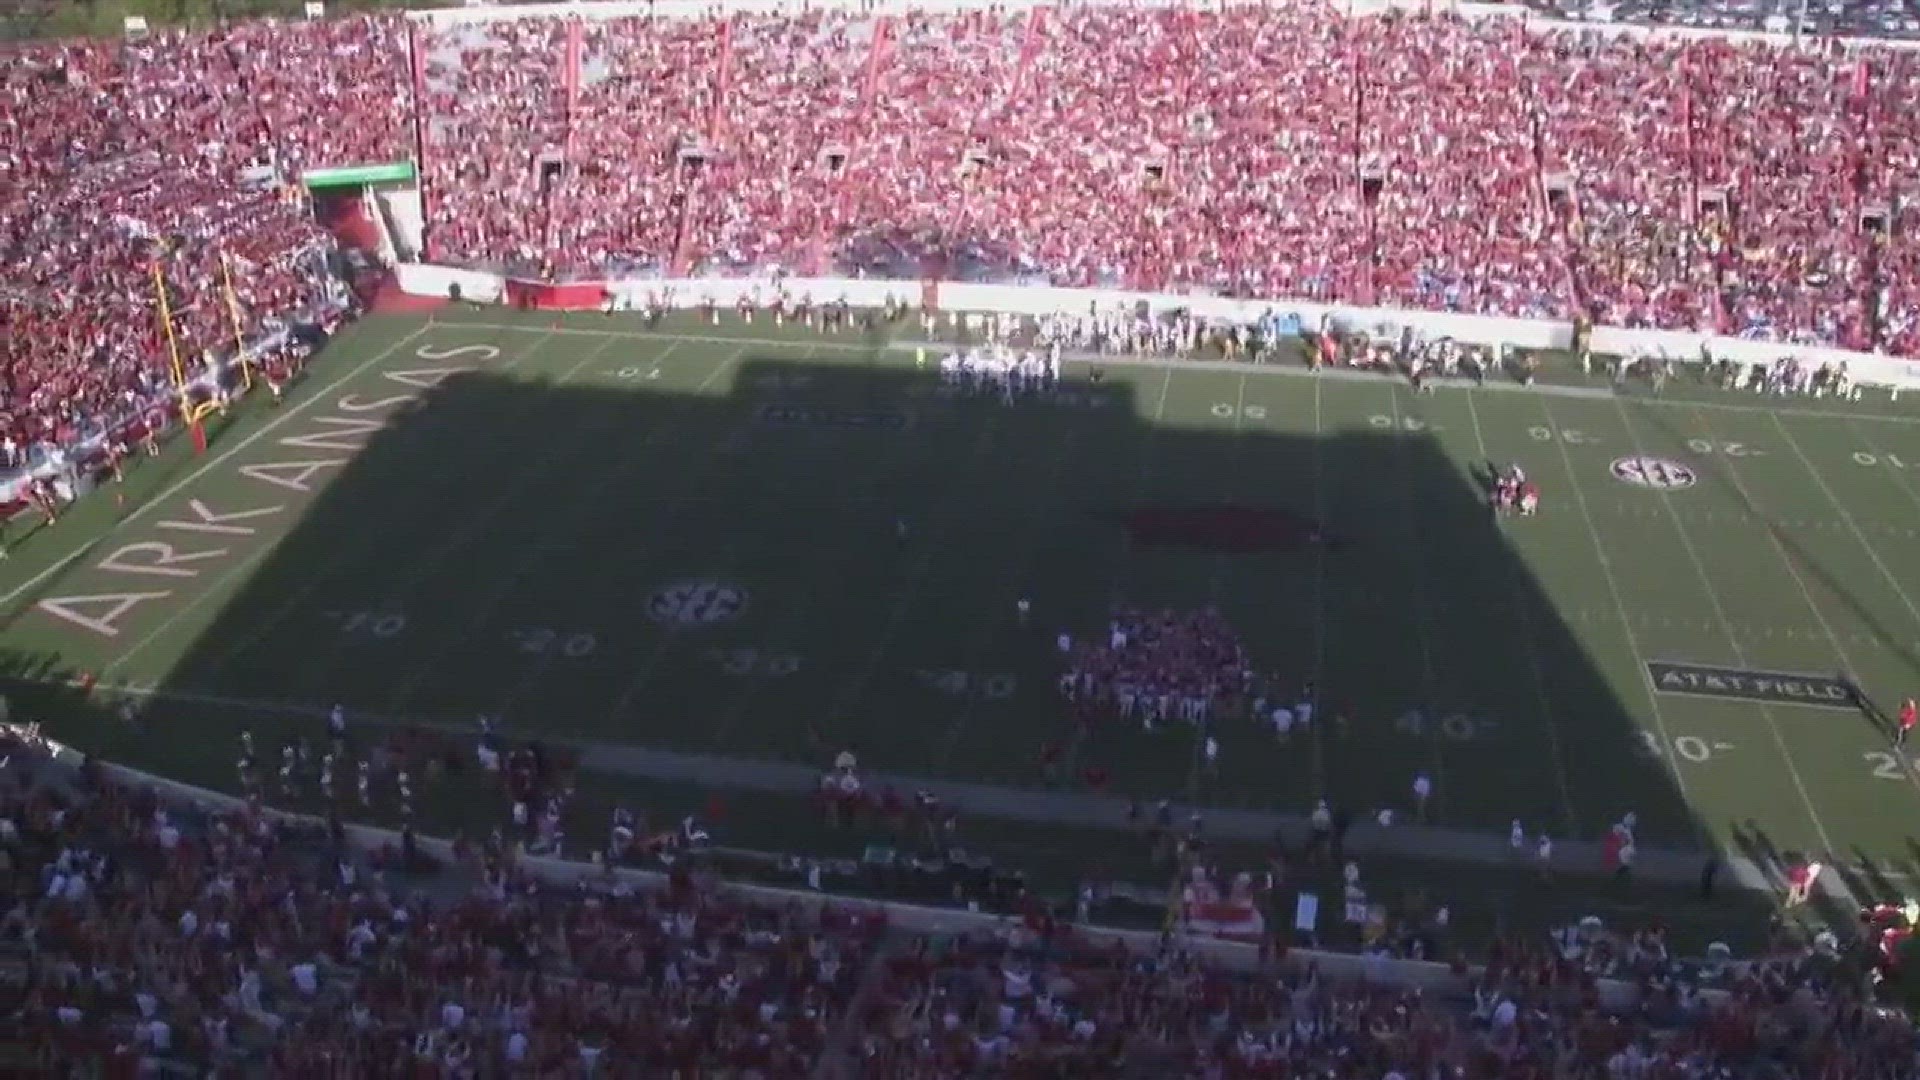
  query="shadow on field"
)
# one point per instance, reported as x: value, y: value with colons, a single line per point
x: 38, y: 682
x: 823, y: 552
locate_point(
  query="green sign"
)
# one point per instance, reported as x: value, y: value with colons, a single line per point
x: 356, y: 175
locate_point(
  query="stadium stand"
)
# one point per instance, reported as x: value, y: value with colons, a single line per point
x: 131, y: 163
x: 1859, y: 18
x: 1429, y: 162
x: 142, y: 933
x: 1435, y: 163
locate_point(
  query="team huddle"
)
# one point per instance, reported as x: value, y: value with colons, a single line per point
x: 996, y: 369
x: 1156, y: 666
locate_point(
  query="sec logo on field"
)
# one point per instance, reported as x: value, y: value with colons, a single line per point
x: 697, y: 602
x: 1653, y: 472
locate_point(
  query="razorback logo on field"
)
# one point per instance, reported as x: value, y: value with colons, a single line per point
x: 1226, y: 527
x: 1745, y: 684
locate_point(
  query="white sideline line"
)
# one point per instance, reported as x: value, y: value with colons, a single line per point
x: 1589, y: 393
x: 225, y: 456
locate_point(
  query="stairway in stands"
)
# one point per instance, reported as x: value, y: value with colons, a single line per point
x: 345, y: 216
x: 691, y: 185
x: 879, y: 51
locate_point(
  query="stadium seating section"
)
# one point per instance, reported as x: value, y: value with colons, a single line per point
x: 143, y: 936
x: 1262, y: 151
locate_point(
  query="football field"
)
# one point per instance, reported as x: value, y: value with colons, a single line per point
x: 773, y: 544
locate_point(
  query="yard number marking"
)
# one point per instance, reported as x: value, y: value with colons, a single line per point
x: 754, y: 664
x: 1728, y: 449
x: 1225, y: 411
x: 1653, y: 472
x: 1567, y: 435
x: 697, y: 602
x: 1688, y: 747
x: 378, y: 624
x: 540, y: 641
x: 631, y: 372
x: 1892, y: 461
x: 1887, y: 765
x: 993, y: 687
x: 1407, y: 423
x: 1456, y: 726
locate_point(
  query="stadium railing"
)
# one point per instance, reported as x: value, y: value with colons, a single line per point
x: 1867, y: 369
x: 932, y: 921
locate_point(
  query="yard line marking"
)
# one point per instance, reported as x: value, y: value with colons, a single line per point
x: 1528, y: 638
x: 1667, y: 752
x: 607, y: 480
x: 670, y: 636
x: 418, y: 672
x: 306, y: 401
x: 1123, y: 562
x: 1840, y: 650
x: 1029, y: 548
x: 323, y: 574
x: 1216, y: 584
x: 854, y: 689
x: 1277, y: 370
x: 1316, y: 741
x: 1846, y: 517
x: 1422, y: 606
x: 1733, y: 641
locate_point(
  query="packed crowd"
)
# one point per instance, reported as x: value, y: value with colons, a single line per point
x: 1037, y: 1002
x: 1893, y: 139
x: 152, y: 173
x: 1860, y: 18
x: 142, y: 933
x: 1156, y: 667
x: 1434, y: 163
x: 1424, y: 162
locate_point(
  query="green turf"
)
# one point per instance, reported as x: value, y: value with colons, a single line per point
x: 498, y: 546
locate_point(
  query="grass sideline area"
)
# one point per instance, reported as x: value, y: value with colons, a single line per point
x: 686, y: 538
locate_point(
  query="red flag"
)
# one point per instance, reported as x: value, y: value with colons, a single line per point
x: 199, y: 437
